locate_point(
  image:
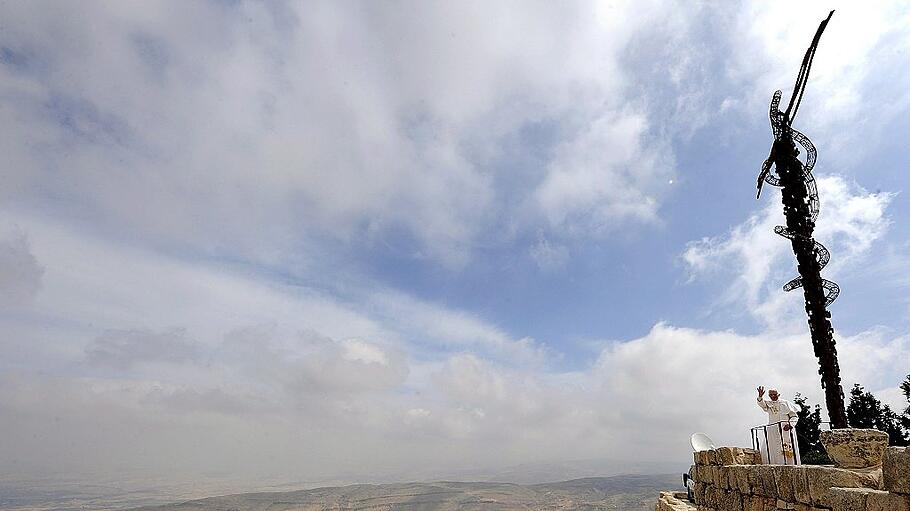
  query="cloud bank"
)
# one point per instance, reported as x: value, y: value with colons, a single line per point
x: 214, y: 214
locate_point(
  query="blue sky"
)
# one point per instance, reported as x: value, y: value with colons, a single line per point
x: 329, y: 240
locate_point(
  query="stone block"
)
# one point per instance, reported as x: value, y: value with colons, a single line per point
x: 702, y: 475
x: 878, y: 500
x: 706, y: 497
x: 706, y: 473
x: 705, y: 458
x: 766, y: 482
x: 712, y: 457
x: 729, y: 501
x: 700, y: 493
x: 713, y: 497
x: 720, y: 477
x: 750, y: 457
x: 735, y: 456
x: 873, y: 475
x: 855, y: 448
x: 737, y: 500
x: 739, y: 479
x: 753, y: 477
x: 724, y: 456
x: 783, y: 479
x: 821, y: 479
x: 800, y: 482
x: 846, y: 499
x: 732, y: 456
x: 770, y: 504
x: 700, y: 458
x: 752, y: 503
x: 896, y: 470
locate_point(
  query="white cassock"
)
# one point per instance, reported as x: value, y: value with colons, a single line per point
x: 780, y: 447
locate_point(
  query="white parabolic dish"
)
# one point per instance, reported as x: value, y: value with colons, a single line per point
x: 701, y: 442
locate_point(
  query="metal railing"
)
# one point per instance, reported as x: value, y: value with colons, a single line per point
x: 760, y: 433
x: 789, y: 451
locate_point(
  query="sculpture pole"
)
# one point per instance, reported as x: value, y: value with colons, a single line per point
x: 800, y: 199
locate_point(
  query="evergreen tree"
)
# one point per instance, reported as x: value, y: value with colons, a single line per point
x: 866, y: 411
x: 863, y: 408
x: 905, y: 387
x: 808, y: 429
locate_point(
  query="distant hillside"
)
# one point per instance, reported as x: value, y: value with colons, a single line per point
x: 619, y: 493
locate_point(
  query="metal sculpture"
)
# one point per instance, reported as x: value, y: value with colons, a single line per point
x: 800, y: 199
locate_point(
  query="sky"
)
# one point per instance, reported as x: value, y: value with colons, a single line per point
x: 314, y: 240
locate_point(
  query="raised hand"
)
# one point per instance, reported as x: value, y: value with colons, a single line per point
x: 761, y: 391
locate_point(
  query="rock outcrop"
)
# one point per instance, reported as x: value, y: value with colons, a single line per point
x: 855, y: 448
x: 673, y: 501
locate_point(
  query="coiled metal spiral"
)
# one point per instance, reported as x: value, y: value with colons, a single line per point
x: 779, y: 126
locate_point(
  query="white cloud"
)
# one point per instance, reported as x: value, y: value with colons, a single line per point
x: 843, y: 109
x: 474, y: 408
x: 387, y: 129
x: 549, y: 255
x: 360, y: 351
x: 603, y: 177
x: 708, y: 379
x: 437, y: 327
x: 288, y: 378
x: 20, y: 271
x: 756, y: 262
x: 137, y: 291
x: 147, y: 337
x: 160, y: 151
x: 123, y: 348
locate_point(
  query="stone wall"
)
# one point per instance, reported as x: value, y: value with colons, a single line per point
x: 733, y: 479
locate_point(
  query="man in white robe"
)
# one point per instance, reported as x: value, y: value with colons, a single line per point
x: 778, y: 442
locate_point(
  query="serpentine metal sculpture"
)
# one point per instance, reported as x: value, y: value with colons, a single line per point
x: 801, y: 205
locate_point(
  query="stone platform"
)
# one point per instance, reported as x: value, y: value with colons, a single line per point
x: 732, y: 479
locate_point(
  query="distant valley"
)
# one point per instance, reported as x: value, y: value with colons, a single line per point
x: 619, y: 493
